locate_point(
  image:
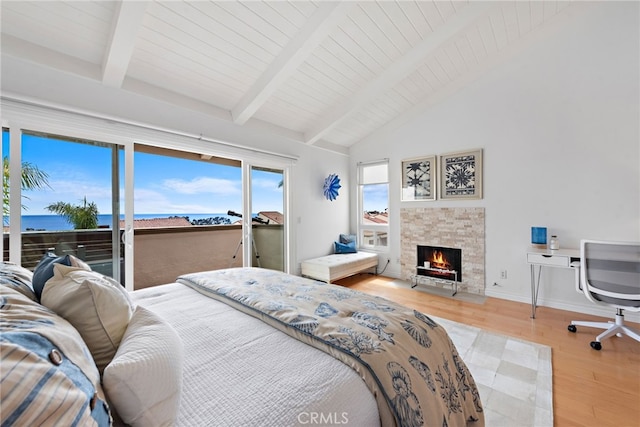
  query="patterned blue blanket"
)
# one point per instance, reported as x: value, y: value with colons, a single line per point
x: 407, y: 360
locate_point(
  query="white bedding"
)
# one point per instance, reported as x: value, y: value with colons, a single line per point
x: 235, y: 376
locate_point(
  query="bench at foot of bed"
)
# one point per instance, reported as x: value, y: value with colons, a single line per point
x: 337, y: 266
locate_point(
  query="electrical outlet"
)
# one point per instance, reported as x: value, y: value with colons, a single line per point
x: 503, y: 274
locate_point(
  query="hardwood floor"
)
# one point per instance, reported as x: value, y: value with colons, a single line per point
x: 590, y: 388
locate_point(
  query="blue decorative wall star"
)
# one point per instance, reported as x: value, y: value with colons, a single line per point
x: 331, y: 186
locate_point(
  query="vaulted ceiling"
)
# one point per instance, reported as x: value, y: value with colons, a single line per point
x: 328, y: 73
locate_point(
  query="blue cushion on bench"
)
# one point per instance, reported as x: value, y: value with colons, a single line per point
x: 345, y: 248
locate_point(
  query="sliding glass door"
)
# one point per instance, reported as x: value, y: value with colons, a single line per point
x: 267, y: 227
x: 188, y: 214
x: 218, y: 212
x: 69, y: 200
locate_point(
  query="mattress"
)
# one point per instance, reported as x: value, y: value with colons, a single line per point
x: 240, y: 371
x: 333, y: 267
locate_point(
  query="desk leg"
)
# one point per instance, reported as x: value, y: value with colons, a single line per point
x: 535, y: 286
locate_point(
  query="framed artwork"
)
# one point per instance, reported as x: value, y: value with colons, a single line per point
x: 461, y: 175
x: 419, y: 179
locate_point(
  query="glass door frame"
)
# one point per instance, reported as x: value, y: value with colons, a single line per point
x: 247, y: 228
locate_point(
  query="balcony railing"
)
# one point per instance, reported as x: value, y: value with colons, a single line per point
x: 160, y: 254
x: 88, y: 245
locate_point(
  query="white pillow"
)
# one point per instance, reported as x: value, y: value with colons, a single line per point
x: 143, y: 382
x: 96, y: 305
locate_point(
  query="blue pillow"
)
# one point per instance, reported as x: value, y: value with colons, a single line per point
x: 345, y: 248
x: 347, y: 238
x: 44, y: 271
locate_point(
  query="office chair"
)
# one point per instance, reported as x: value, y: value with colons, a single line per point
x: 610, y: 275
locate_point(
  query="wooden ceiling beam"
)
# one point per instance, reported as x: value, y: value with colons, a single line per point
x: 301, y: 46
x: 126, y: 25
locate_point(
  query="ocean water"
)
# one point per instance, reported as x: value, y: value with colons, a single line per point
x: 57, y: 222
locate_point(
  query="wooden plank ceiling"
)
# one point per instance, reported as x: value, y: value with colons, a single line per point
x: 329, y: 73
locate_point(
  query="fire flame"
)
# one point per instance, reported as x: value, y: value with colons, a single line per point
x: 438, y: 260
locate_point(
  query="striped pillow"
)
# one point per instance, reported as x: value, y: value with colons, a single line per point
x: 48, y: 376
x: 17, y: 278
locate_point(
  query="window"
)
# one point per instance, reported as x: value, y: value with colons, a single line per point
x: 268, y: 226
x: 179, y: 188
x: 119, y: 145
x: 373, y: 202
x: 70, y: 193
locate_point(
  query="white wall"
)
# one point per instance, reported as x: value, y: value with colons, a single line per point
x: 318, y: 221
x: 559, y: 125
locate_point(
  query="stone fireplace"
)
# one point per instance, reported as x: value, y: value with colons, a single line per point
x: 451, y: 228
x: 440, y: 262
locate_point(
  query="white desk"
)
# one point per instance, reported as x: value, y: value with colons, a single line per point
x: 561, y: 258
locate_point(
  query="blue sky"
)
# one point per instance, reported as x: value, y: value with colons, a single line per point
x: 162, y: 185
x: 376, y: 197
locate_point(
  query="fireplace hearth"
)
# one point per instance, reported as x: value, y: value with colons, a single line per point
x: 439, y: 263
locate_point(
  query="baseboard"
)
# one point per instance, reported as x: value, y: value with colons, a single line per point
x: 592, y: 309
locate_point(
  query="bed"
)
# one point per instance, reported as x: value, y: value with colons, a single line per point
x: 240, y: 346
x: 333, y: 267
x: 297, y: 376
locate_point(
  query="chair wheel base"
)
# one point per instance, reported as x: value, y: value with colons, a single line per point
x: 596, y: 345
x: 572, y: 328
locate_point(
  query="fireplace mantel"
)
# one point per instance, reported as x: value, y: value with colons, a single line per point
x: 449, y: 227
